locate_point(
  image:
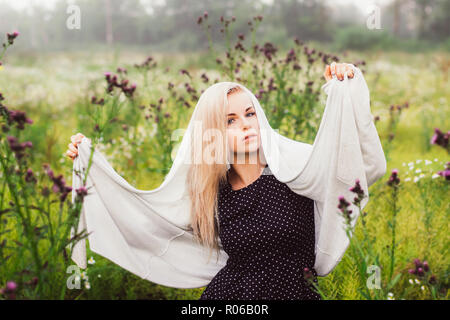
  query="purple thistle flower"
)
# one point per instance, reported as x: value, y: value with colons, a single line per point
x: 444, y: 173
x: 432, y: 279
x: 417, y: 263
x: 81, y: 192
x: 426, y: 267
x: 394, y: 180
x: 12, y: 36
x: 29, y: 177
x: 19, y: 118
x: 420, y: 272
x: 439, y: 138
x: 11, y: 286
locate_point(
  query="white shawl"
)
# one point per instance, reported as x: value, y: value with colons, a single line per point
x: 148, y: 233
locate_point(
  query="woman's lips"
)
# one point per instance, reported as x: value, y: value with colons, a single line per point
x: 249, y: 137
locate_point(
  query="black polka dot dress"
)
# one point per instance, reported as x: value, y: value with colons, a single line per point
x: 267, y: 230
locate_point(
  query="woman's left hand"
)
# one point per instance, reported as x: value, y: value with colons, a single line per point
x: 339, y: 70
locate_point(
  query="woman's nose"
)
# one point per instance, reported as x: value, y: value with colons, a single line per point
x: 245, y: 123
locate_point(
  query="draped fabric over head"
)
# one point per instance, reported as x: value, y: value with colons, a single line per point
x: 148, y: 233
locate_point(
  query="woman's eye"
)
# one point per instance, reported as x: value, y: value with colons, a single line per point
x: 229, y: 121
x: 251, y: 113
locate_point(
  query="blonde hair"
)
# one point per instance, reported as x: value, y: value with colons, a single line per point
x: 204, y: 179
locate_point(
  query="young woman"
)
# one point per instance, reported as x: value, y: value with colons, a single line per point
x: 266, y: 229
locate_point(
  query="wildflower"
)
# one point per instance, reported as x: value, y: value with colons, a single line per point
x: 427, y: 162
x: 432, y: 279
x: 59, y: 184
x: 12, y: 36
x: 205, y: 78
x: 45, y: 191
x: 307, y: 273
x: 99, y: 102
x: 416, y: 179
x: 422, y: 287
x: 421, y: 175
x: 440, y: 138
x: 407, y: 179
x: 19, y: 118
x: 359, y: 192
x: 434, y: 176
x: 417, y: 281
x: 391, y: 296
x: 411, y: 281
x: 29, y: 177
x: 418, y: 170
x: 121, y: 70
x: 83, y: 275
x: 269, y: 50
x: 91, y: 260
x: 32, y: 282
x: 87, y: 285
x: 18, y: 148
x: 425, y: 265
x: 445, y: 173
x: 11, y: 286
x: 99, y: 276
x: 184, y: 71
x: 420, y: 271
x: 393, y: 179
x: 418, y: 160
x: 81, y: 192
x: 417, y: 263
x: 343, y: 204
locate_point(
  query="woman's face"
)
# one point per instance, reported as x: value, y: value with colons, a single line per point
x: 242, y: 122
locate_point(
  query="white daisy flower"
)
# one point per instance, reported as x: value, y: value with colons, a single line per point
x: 422, y: 175
x: 419, y: 161
x: 418, y: 170
x: 403, y: 164
x: 411, y: 281
x: 434, y: 176
x: 416, y: 179
x: 407, y: 179
x: 99, y: 276
x: 422, y: 287
x: 427, y: 162
x: 410, y: 164
x: 87, y: 285
x: 91, y: 260
x: 436, y: 159
x: 83, y: 275
x: 417, y: 281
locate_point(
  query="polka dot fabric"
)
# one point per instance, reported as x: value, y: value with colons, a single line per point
x: 267, y: 230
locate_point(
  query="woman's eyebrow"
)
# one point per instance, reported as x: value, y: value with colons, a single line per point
x: 233, y: 114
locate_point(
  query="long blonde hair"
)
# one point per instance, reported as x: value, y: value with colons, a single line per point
x: 204, y: 179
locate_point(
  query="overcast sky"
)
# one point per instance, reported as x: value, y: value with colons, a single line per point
x: 363, y: 5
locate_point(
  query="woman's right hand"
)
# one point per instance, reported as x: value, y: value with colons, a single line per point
x: 72, y: 152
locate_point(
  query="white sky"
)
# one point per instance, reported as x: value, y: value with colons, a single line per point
x: 363, y: 5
